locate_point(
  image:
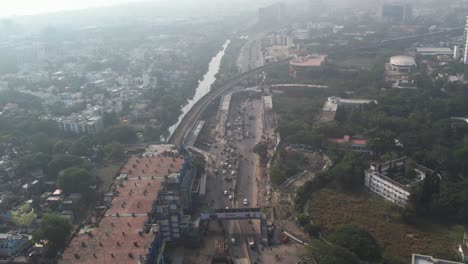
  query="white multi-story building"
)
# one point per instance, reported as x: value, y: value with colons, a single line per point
x: 89, y: 121
x: 460, y: 50
x: 277, y: 40
x: 301, y: 34
x: 79, y: 124
x: 379, y: 178
x: 465, y: 42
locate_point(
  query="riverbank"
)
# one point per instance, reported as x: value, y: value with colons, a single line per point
x: 204, y: 84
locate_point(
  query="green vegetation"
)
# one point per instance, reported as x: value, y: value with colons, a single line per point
x: 75, y: 180
x: 199, y: 163
x: 297, y: 113
x: 331, y: 209
x: 358, y: 241
x: 61, y: 162
x: 55, y: 230
x: 105, y: 175
x: 114, y: 151
x: 120, y: 133
x: 286, y: 165
x: 325, y: 253
x: 228, y: 68
x: 24, y: 215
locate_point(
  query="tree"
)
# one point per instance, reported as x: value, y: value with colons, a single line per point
x: 357, y: 241
x: 56, y: 230
x: 110, y: 119
x: 330, y: 254
x: 261, y: 149
x: 62, y: 162
x: 120, y: 133
x: 423, y: 198
x: 277, y: 175
x: 151, y: 133
x: 34, y: 161
x: 114, y: 151
x: 312, y: 230
x: 41, y: 142
x: 75, y: 180
x: 302, y: 220
x: 199, y: 163
x: 61, y: 147
x: 349, y: 173
x: 79, y: 148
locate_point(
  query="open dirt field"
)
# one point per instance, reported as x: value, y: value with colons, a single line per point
x: 331, y: 209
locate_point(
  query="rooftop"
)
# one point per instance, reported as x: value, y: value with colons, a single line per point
x: 308, y: 61
x: 348, y: 139
x: 115, y: 240
x: 402, y: 60
x: 423, y: 259
x: 119, y: 236
x: 152, y: 167
x: 433, y: 49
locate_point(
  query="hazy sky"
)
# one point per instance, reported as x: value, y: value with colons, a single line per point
x: 29, y: 7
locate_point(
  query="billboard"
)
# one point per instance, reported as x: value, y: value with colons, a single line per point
x: 232, y: 214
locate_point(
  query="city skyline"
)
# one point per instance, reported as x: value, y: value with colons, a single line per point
x: 28, y: 7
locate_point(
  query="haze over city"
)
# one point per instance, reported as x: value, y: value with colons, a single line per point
x: 234, y: 131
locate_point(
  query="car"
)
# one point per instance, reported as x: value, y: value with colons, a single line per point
x: 246, y: 202
x: 225, y: 193
x: 233, y: 241
x: 230, y: 197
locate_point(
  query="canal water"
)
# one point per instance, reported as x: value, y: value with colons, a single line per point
x: 204, y: 85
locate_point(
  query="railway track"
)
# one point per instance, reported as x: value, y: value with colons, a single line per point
x: 192, y: 116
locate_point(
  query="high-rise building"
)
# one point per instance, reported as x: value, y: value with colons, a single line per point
x: 465, y: 43
x: 460, y: 49
x: 395, y: 12
x: 274, y: 13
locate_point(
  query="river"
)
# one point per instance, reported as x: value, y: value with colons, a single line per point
x: 204, y: 86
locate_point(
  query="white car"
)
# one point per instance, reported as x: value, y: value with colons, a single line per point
x: 225, y: 193
x: 246, y: 202
x: 230, y: 197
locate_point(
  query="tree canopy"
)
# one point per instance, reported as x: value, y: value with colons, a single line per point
x: 56, y: 230
x: 330, y: 254
x: 114, y: 151
x: 75, y: 180
x: 120, y: 133
x: 358, y: 241
x: 61, y: 162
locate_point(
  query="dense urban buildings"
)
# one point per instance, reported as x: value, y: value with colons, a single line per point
x: 141, y: 138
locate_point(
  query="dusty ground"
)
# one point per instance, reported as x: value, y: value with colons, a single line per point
x: 332, y: 209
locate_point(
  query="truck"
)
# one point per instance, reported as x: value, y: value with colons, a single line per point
x: 251, y: 242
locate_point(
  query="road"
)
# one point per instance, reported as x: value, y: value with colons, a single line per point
x: 243, y: 133
x: 251, y: 55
